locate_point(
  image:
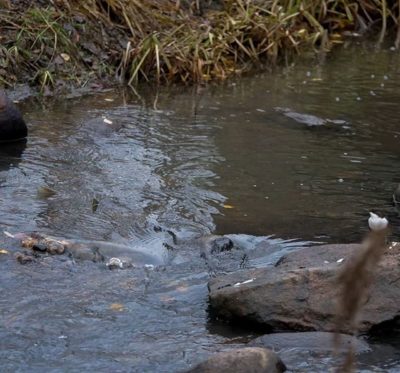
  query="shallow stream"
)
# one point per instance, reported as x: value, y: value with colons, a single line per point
x: 277, y: 161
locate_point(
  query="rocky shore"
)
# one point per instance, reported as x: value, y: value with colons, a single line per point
x: 300, y: 292
x: 295, y: 299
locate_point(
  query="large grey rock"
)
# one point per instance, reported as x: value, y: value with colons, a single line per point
x: 300, y: 292
x: 243, y: 360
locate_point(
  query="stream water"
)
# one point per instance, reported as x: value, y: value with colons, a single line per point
x: 280, y: 159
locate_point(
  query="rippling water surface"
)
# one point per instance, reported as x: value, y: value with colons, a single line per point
x: 300, y: 154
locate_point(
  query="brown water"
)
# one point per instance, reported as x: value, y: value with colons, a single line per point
x: 300, y: 154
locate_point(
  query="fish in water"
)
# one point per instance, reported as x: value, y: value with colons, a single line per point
x: 12, y: 124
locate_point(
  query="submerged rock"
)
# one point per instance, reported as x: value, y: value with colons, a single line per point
x: 43, y: 244
x: 12, y: 125
x: 300, y: 292
x: 24, y: 258
x: 96, y: 251
x: 243, y: 360
x: 221, y: 244
x: 311, y: 341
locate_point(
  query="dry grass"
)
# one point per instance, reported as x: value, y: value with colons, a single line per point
x: 172, y: 40
x: 355, y: 281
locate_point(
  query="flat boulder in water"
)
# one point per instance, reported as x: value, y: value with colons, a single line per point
x: 242, y: 360
x: 301, y: 295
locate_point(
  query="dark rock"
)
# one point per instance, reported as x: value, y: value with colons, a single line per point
x: 243, y: 360
x: 12, y: 125
x: 55, y: 248
x: 23, y: 258
x: 85, y: 252
x: 300, y: 293
x: 39, y: 246
x: 311, y: 341
x: 221, y: 244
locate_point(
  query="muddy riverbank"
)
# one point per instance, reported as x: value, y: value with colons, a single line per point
x: 64, y: 45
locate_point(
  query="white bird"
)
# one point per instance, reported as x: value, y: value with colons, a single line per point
x: 376, y: 223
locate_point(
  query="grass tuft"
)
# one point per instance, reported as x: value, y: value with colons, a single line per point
x: 174, y: 40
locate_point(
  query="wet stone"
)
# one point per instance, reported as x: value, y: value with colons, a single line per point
x: 117, y: 263
x: 55, y: 248
x: 42, y: 244
x: 82, y: 252
x: 243, y: 360
x: 221, y: 244
x: 39, y: 246
x: 312, y: 341
x: 24, y: 258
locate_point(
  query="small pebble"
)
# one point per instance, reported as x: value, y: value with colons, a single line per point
x: 115, y: 263
x: 23, y: 258
x: 40, y: 246
x: 55, y: 248
x: 29, y: 242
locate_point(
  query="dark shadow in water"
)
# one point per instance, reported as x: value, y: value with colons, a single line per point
x: 10, y: 154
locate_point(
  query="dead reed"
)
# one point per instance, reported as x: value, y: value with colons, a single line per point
x: 354, y: 281
x: 173, y: 40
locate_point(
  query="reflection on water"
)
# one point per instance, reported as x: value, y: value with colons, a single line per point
x: 152, y: 168
x: 304, y: 152
x: 314, y: 169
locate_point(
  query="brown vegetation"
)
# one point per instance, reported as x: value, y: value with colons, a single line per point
x: 355, y: 280
x: 77, y: 42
